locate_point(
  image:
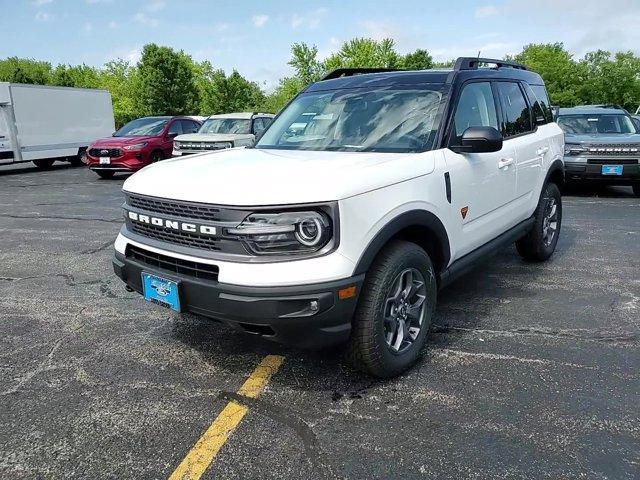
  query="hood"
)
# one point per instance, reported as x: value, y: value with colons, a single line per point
x: 250, y: 177
x: 589, y: 139
x: 212, y: 137
x: 119, y: 141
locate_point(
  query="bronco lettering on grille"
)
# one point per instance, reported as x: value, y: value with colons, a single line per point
x: 172, y: 224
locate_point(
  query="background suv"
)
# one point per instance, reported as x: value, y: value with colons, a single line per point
x: 367, y: 193
x: 223, y: 131
x: 602, y: 144
x: 137, y: 144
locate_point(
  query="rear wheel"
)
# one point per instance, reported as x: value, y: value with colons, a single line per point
x: 79, y: 159
x: 636, y: 189
x: 540, y: 243
x: 106, y: 174
x: 156, y: 156
x: 394, y: 311
x: 44, y: 163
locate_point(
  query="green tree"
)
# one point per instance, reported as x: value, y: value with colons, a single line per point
x: 80, y: 76
x: 418, y: 60
x: 365, y: 53
x: 305, y: 63
x: 25, y: 70
x: 613, y: 79
x: 120, y: 79
x: 166, y: 84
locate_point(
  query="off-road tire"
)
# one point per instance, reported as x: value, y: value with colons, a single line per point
x: 368, y: 350
x: 532, y: 246
x: 44, y: 163
x: 105, y: 174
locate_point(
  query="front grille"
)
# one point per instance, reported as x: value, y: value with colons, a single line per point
x: 617, y: 161
x: 631, y: 149
x: 173, y: 208
x: 178, y: 237
x: 198, y: 270
x: 105, y: 152
x: 204, y: 146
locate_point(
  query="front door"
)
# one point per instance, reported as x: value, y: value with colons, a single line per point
x: 483, y: 185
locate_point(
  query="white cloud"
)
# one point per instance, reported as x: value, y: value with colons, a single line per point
x: 155, y: 6
x: 113, y: 25
x: 487, y: 11
x: 260, y: 21
x: 310, y: 21
x: 87, y: 27
x: 144, y: 19
x: 43, y: 17
x: 39, y: 3
x: 380, y: 30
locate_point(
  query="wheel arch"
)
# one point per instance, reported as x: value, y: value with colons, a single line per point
x: 418, y: 226
x: 555, y: 174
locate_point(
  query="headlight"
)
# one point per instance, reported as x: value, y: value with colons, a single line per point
x: 136, y: 146
x: 284, y: 233
x: 574, y: 149
x: 176, y: 145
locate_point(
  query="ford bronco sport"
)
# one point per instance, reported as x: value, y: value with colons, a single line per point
x: 367, y: 193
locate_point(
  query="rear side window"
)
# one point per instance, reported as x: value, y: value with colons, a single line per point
x: 516, y: 114
x: 543, y: 98
x: 539, y: 117
x: 189, y: 127
x: 476, y: 108
x: 175, y: 128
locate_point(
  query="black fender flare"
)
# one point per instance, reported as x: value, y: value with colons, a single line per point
x: 411, y: 218
x: 556, y: 165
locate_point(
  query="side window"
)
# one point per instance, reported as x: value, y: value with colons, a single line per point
x: 267, y: 121
x: 516, y: 113
x: 476, y: 108
x: 539, y: 117
x: 175, y: 128
x: 189, y: 127
x: 541, y: 94
x: 258, y: 125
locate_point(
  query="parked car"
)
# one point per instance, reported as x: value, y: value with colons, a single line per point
x: 602, y: 145
x: 344, y: 229
x: 137, y: 144
x: 223, y: 131
x: 43, y: 124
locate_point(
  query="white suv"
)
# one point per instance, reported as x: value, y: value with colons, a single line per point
x: 367, y: 193
x: 223, y: 131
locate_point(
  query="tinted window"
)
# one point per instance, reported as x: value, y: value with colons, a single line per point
x: 142, y: 127
x: 614, y: 124
x: 189, y: 127
x: 175, y: 128
x: 539, y: 117
x: 226, y: 125
x: 517, y: 118
x: 258, y: 125
x: 476, y: 108
x: 543, y: 98
x: 267, y: 121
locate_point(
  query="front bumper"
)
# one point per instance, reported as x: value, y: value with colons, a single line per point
x: 129, y: 162
x: 282, y: 314
x: 584, y: 171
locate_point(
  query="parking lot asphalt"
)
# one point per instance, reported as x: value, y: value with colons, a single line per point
x: 532, y: 371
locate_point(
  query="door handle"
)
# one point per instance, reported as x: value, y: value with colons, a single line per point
x: 504, y: 163
x: 542, y: 151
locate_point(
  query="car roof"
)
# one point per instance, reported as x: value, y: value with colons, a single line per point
x: 241, y: 115
x: 423, y: 77
x: 592, y: 110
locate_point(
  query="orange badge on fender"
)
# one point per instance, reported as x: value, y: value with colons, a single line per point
x: 464, y: 211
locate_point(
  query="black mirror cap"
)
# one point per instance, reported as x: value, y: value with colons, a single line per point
x: 480, y: 140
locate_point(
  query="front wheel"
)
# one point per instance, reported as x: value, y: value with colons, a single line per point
x: 44, y: 163
x: 394, y: 311
x: 540, y: 243
x: 106, y: 174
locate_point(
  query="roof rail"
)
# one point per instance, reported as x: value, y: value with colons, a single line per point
x: 472, y: 63
x: 350, y: 72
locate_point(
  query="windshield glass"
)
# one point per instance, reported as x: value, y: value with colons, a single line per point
x: 226, y: 125
x: 609, y: 124
x: 381, y: 120
x: 142, y: 127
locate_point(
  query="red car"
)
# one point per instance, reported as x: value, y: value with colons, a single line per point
x: 137, y: 144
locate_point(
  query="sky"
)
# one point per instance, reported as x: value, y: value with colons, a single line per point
x: 255, y: 37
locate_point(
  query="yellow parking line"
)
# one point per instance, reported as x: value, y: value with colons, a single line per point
x: 206, y: 448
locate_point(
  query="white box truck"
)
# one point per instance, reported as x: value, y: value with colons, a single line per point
x: 42, y: 124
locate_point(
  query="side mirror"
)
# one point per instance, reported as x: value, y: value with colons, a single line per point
x: 479, y: 140
x: 172, y: 135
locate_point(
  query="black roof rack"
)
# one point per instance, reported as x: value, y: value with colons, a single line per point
x: 472, y: 63
x: 350, y: 72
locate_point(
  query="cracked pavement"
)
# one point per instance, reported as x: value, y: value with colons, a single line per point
x: 532, y: 371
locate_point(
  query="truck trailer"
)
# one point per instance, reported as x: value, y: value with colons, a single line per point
x: 43, y: 124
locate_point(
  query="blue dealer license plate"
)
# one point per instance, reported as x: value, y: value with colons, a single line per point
x: 161, y: 291
x: 611, y: 169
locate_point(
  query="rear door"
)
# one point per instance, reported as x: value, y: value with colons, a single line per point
x: 520, y: 132
x: 6, y: 146
x: 483, y: 185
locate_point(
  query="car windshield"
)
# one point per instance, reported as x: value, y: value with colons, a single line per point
x: 608, y: 124
x: 142, y: 127
x: 364, y: 120
x: 226, y: 125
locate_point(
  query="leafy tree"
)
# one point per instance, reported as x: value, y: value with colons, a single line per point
x: 418, y: 60
x: 613, y: 79
x: 80, y: 76
x: 25, y: 70
x: 365, y: 53
x: 305, y: 62
x: 166, y: 83
x: 230, y: 94
x: 120, y: 79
